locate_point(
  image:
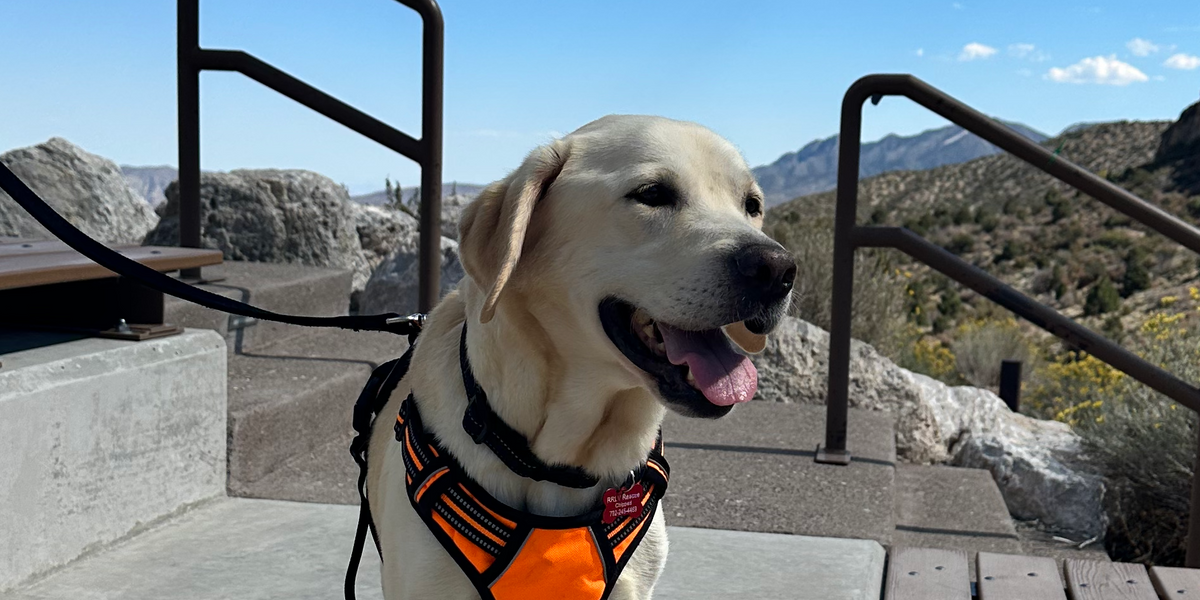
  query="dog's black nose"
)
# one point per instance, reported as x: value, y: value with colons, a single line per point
x: 764, y: 270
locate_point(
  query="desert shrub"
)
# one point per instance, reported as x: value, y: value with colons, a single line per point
x: 961, y: 243
x: 1143, y: 443
x: 927, y: 355
x: 1113, y: 239
x: 1102, y: 298
x: 1137, y: 276
x: 980, y: 346
x: 1012, y: 249
x: 877, y: 310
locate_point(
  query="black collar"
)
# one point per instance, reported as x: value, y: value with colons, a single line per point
x: 486, y: 427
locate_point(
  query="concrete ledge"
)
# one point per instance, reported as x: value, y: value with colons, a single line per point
x: 715, y: 564
x: 100, y: 437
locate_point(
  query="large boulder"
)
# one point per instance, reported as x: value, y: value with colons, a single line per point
x: 1039, y: 466
x: 394, y: 286
x: 381, y: 230
x: 89, y: 191
x: 270, y: 215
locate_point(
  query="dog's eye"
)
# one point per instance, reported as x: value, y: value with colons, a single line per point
x: 654, y: 194
x: 753, y: 206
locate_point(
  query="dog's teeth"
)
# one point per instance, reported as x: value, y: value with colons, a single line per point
x: 648, y: 329
x: 660, y: 348
x: 640, y: 317
x: 691, y: 379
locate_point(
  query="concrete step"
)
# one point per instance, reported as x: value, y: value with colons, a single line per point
x: 754, y: 470
x: 751, y: 471
x: 284, y: 288
x: 952, y: 508
x: 260, y: 549
x: 294, y: 396
x: 99, y: 437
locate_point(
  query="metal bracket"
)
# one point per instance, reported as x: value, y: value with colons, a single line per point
x: 832, y: 457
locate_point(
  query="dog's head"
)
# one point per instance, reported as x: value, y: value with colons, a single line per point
x: 644, y: 235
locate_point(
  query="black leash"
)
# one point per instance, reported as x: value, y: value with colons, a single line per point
x: 379, y: 388
x: 115, y: 262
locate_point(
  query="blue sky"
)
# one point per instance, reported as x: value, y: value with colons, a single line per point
x: 767, y: 75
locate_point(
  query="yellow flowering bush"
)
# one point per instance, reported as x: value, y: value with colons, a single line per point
x: 1143, y: 443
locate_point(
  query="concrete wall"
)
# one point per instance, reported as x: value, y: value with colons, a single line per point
x: 99, y: 437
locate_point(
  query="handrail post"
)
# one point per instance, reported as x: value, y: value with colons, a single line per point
x: 1192, y: 558
x: 429, y: 256
x: 188, y: 75
x: 837, y: 394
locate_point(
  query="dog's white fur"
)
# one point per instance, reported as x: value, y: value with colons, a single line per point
x: 541, y: 249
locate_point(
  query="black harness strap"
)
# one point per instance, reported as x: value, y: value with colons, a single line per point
x: 370, y: 403
x: 115, y: 262
x: 486, y: 427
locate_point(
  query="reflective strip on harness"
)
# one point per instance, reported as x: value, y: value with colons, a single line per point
x: 513, y: 555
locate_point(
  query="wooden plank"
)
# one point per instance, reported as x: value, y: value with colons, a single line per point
x: 1176, y: 582
x: 56, y: 267
x: 927, y: 574
x: 1100, y: 580
x: 17, y: 247
x: 1012, y: 577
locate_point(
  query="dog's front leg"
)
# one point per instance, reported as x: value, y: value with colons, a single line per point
x: 644, y: 567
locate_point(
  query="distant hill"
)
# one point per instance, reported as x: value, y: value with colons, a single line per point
x: 380, y: 197
x: 813, y: 168
x: 1036, y: 233
x: 149, y: 182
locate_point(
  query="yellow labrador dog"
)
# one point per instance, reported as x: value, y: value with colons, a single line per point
x: 606, y: 277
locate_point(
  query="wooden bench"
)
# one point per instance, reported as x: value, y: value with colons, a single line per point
x: 929, y: 574
x: 45, y: 284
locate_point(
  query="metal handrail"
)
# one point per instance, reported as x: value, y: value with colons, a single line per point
x: 427, y: 151
x: 849, y: 236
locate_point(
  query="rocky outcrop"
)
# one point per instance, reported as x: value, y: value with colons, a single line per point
x: 89, y: 191
x: 394, y: 286
x: 382, y: 231
x: 1038, y: 465
x: 452, y: 208
x: 1182, y: 138
x: 269, y: 215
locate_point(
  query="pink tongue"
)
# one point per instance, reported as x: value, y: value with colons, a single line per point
x: 724, y: 376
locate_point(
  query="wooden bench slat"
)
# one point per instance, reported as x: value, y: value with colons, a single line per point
x: 1176, y: 582
x: 28, y: 270
x: 20, y: 247
x: 1100, y: 580
x: 1012, y: 577
x: 927, y: 574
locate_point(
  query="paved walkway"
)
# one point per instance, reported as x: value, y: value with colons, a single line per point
x: 258, y: 549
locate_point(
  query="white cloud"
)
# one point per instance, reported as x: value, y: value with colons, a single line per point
x: 1140, y: 47
x: 1182, y: 61
x: 1027, y: 51
x: 1098, y: 69
x: 976, y: 50
x: 920, y: 52
x: 957, y: 6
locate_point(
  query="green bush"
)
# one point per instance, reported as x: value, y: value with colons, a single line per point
x: 961, y: 244
x: 1143, y: 443
x: 1102, y: 298
x: 1137, y: 276
x: 980, y: 347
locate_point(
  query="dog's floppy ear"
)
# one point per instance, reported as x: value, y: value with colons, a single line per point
x: 492, y: 228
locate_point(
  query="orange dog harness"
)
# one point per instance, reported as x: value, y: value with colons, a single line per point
x: 514, y: 555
